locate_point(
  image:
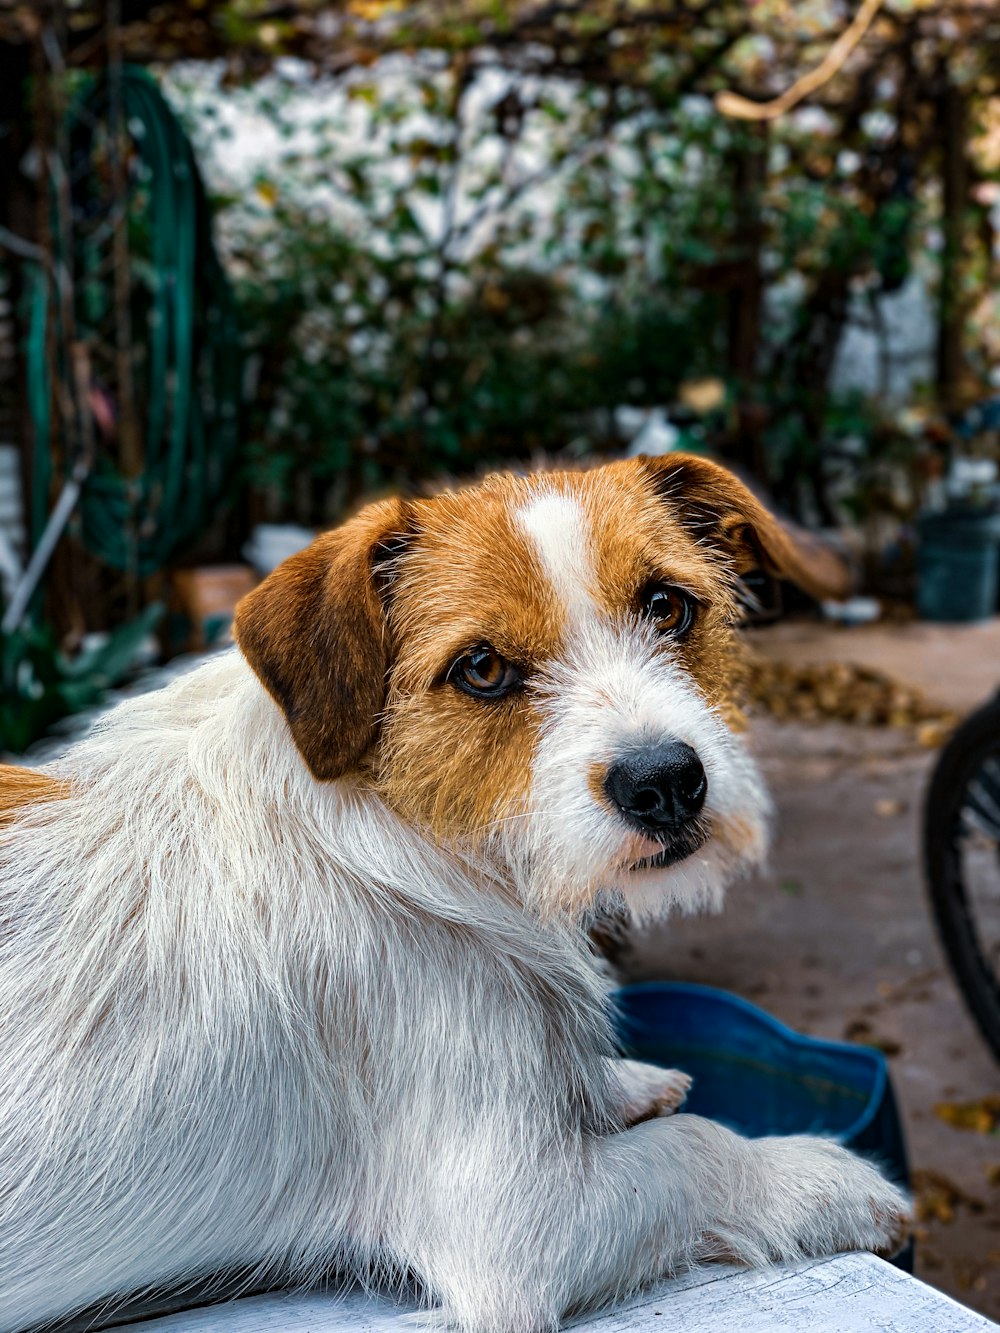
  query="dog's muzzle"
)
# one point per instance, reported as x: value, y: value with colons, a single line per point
x: 660, y: 791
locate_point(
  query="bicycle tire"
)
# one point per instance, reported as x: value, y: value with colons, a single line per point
x: 960, y: 762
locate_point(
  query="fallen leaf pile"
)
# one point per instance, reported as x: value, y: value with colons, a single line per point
x: 982, y: 1116
x: 845, y: 692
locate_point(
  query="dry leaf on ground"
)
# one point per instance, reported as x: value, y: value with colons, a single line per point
x: 982, y: 1115
x: 888, y: 809
x: 936, y: 1197
x: 860, y: 1030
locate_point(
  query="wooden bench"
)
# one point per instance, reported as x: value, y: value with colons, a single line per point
x: 851, y: 1293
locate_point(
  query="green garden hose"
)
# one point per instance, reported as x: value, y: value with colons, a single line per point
x: 184, y: 336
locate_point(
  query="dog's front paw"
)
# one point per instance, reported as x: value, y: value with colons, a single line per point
x: 824, y: 1199
x: 649, y: 1091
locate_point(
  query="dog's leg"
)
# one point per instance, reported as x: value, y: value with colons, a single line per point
x: 648, y: 1090
x: 588, y: 1225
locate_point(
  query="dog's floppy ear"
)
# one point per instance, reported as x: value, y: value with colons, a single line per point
x: 717, y: 505
x: 315, y: 633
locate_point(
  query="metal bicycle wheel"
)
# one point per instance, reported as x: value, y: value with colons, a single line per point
x: 962, y: 862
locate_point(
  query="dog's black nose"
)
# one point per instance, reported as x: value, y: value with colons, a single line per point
x: 660, y: 789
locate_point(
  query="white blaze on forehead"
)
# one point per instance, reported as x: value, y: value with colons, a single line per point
x: 558, y: 529
x: 613, y: 687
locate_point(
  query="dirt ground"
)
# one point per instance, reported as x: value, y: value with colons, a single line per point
x: 836, y: 938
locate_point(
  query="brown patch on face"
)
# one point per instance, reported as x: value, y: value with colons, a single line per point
x: 639, y: 541
x: 733, y: 715
x: 22, y: 788
x: 447, y: 760
x: 716, y: 505
x: 596, y: 775
x: 471, y: 576
x: 452, y: 764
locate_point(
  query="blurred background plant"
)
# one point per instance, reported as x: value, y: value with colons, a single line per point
x: 488, y: 227
x: 414, y: 302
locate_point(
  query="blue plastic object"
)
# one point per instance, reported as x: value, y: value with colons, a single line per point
x: 759, y: 1077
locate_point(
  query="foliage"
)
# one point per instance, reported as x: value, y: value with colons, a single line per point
x: 371, y: 370
x: 39, y: 685
x: 436, y: 273
x: 479, y: 152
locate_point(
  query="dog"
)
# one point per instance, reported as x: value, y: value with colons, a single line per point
x: 294, y: 974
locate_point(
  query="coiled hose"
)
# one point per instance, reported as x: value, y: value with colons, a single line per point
x: 183, y: 336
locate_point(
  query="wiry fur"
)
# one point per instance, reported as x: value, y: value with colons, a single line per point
x: 613, y: 690
x: 253, y: 1022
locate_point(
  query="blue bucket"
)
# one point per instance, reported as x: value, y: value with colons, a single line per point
x: 759, y: 1077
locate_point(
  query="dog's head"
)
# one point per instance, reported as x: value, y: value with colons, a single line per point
x: 538, y: 670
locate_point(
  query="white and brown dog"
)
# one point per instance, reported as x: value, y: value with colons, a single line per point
x: 292, y: 972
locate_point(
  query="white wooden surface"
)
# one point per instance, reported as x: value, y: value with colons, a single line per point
x: 851, y: 1293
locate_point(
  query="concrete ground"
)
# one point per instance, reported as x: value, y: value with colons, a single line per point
x: 836, y: 938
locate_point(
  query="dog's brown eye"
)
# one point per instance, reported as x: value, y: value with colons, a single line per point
x: 671, y: 609
x: 483, y: 672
